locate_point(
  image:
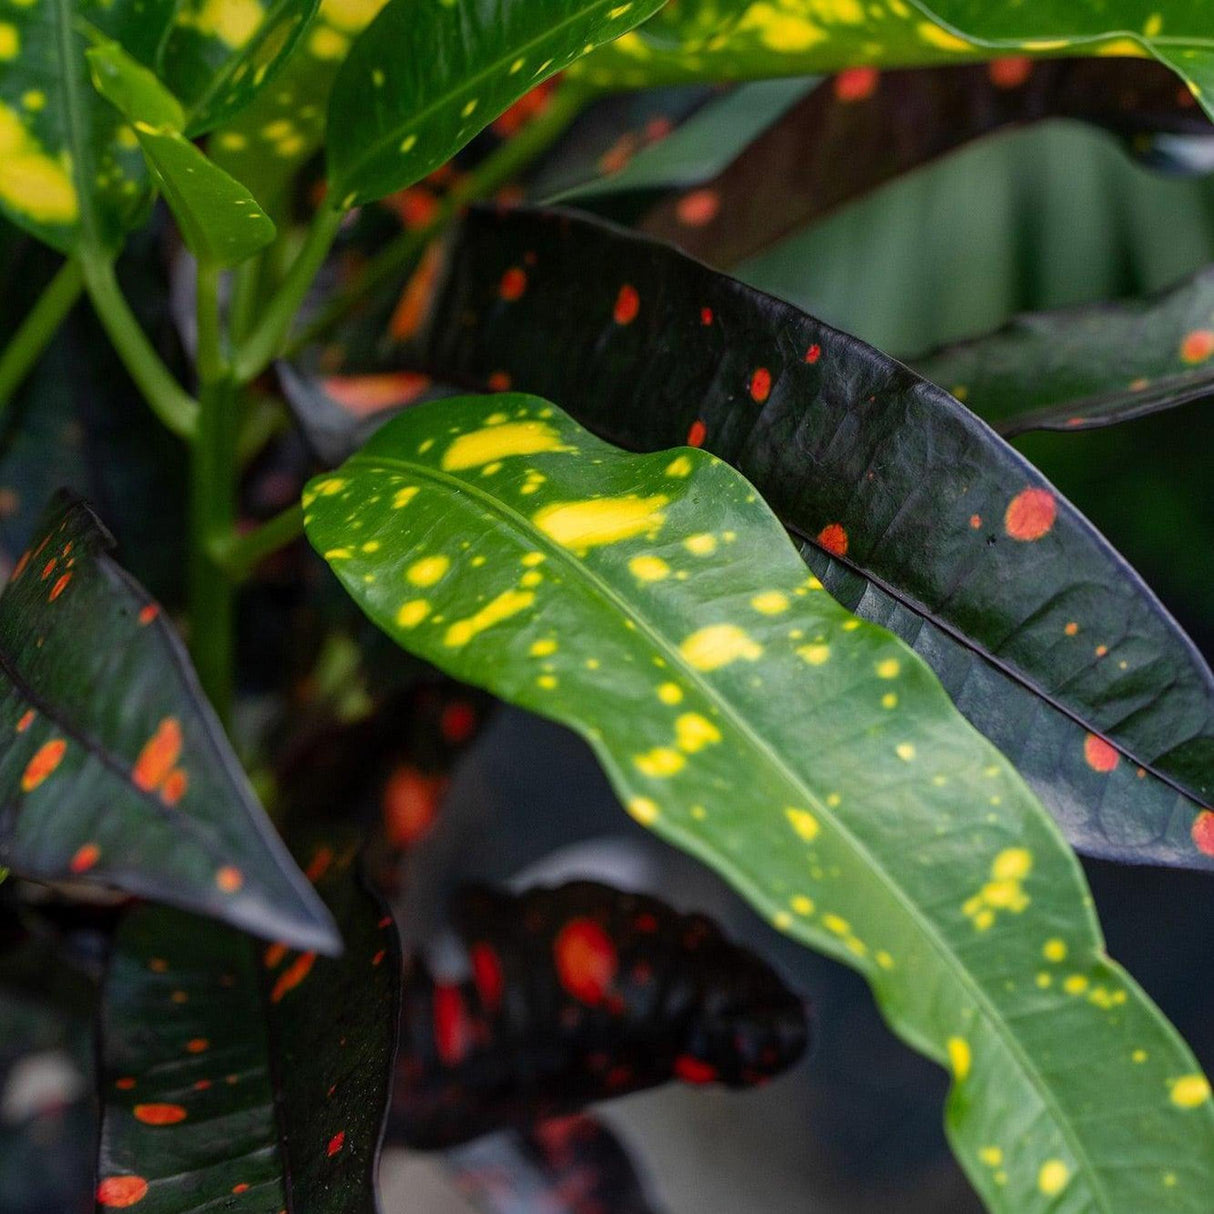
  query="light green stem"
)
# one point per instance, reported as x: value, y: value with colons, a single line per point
x: 241, y: 555
x: 37, y: 329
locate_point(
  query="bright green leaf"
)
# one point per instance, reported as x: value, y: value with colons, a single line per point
x: 653, y: 604
x: 125, y: 83
x: 421, y: 81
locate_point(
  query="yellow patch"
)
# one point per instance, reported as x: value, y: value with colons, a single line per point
x: 770, y: 602
x: 508, y: 603
x: 933, y: 35
x: 412, y: 613
x: 959, y: 1056
x: 781, y: 31
x: 905, y: 751
x: 233, y: 22
x: 804, y: 823
x: 428, y: 571
x: 643, y: 810
x: 889, y: 669
x: 1054, y: 950
x: 991, y: 1156
x: 648, y: 568
x: 802, y: 905
x: 326, y: 43
x: 1053, y: 1177
x: 1014, y: 864
x: 702, y: 544
x: 30, y: 181
x: 1123, y: 48
x: 681, y: 466
x: 581, y: 526
x: 815, y: 655
x: 693, y: 732
x: 670, y: 693
x: 719, y: 645
x: 660, y: 762
x: 1190, y: 1091
x: 10, y: 42
x: 541, y: 649
x: 351, y: 15
x: 1076, y: 984
x: 497, y: 442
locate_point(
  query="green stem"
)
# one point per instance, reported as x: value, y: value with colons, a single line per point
x: 241, y: 555
x: 265, y: 342
x: 167, y: 399
x: 502, y: 166
x: 246, y: 285
x: 37, y: 329
x: 210, y: 338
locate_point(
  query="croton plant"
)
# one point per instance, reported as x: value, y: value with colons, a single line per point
x: 440, y: 285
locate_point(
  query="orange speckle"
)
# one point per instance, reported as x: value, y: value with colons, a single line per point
x: 586, y: 960
x: 697, y: 434
x: 452, y: 1032
x: 487, y: 974
x: 692, y: 1070
x: 1197, y: 346
x: 411, y: 800
x: 48, y: 569
x: 202, y: 1085
x: 321, y: 860
x: 856, y: 83
x: 292, y: 976
x: 705, y: 316
x: 415, y: 207
x: 119, y: 1192
x: 760, y: 384
x: 273, y: 956
x: 1010, y: 71
x: 158, y: 965
x: 513, y: 284
x: 499, y: 381
x: 176, y: 783
x: 813, y: 354
x: 378, y: 958
x: 160, y: 752
x: 1099, y: 755
x: 229, y: 879
x: 197, y: 1045
x: 627, y: 305
x: 366, y: 395
x: 59, y: 587
x: 1030, y: 514
x: 85, y: 858
x: 148, y: 612
x: 336, y: 1143
x: 240, y: 1188
x: 975, y: 521
x: 21, y: 564
x: 699, y: 208
x: 159, y: 1114
x: 1203, y: 832
x: 834, y: 539
x: 47, y: 757
x: 125, y: 1084
x: 1101, y: 650
x: 1071, y: 629
x: 414, y: 300
x: 27, y: 719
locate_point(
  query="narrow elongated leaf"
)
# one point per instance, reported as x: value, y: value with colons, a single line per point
x: 265, y: 1082
x: 1051, y: 645
x: 420, y: 82
x: 654, y: 605
x: 116, y: 769
x: 1081, y: 368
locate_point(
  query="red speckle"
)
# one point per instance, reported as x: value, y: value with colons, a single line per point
x: 1030, y: 514
x: 414, y: 300
x: 119, y: 1192
x: 378, y: 958
x: 697, y: 434
x: 513, y: 284
x: 148, y: 612
x: 586, y: 960
x: 975, y: 521
x: 416, y: 207
x: 85, y: 858
x: 1010, y: 71
x: 499, y: 381
x: 856, y: 83
x: 487, y: 974
x: 160, y: 752
x: 692, y: 1070
x: 705, y: 316
x: 627, y: 305
x: 1100, y: 756
x: 760, y: 384
x: 336, y: 1143
x: 457, y: 722
x: 699, y: 208
x: 202, y: 1085
x: 1197, y: 346
x: 274, y: 955
x: 27, y: 719
x: 21, y: 564
x: 59, y: 587
x: 834, y: 539
x: 48, y: 569
x: 1203, y: 832
x: 366, y: 395
x: 322, y: 858
x: 410, y: 803
x: 229, y: 879
x: 175, y: 786
x: 197, y: 1045
x: 47, y: 757
x: 125, y: 1084
x: 159, y: 1114
x: 646, y: 922
x: 813, y: 354
x: 240, y: 1188
x: 292, y: 976
x: 452, y: 1032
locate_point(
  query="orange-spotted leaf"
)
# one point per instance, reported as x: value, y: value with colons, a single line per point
x: 114, y: 766
x: 656, y: 606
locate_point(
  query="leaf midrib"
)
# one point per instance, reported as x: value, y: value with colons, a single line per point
x: 649, y: 631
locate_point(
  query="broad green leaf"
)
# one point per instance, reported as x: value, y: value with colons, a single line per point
x: 421, y: 81
x: 126, y: 84
x: 265, y: 1082
x: 742, y: 39
x: 117, y: 770
x: 909, y: 508
x: 653, y: 604
x: 1080, y: 368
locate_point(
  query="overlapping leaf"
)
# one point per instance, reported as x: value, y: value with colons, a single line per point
x: 264, y: 1082
x: 116, y: 769
x: 1080, y: 368
x: 653, y: 604
x: 1050, y: 644
x: 419, y: 83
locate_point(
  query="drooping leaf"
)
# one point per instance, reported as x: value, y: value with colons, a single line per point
x: 116, y: 769
x: 265, y: 1082
x: 906, y: 505
x: 1080, y: 368
x: 579, y: 993
x: 420, y: 82
x: 654, y: 605
x: 866, y: 127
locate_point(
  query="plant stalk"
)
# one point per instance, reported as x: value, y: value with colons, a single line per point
x: 37, y: 329
x: 241, y: 554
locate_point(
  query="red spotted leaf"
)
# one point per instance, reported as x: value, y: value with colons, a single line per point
x: 264, y: 1084
x: 116, y: 769
x: 911, y: 511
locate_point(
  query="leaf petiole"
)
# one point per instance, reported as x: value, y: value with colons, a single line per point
x: 39, y: 327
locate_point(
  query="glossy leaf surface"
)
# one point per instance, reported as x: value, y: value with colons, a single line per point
x: 654, y: 605
x: 420, y: 82
x: 1050, y: 644
x: 1080, y: 368
x: 116, y: 769
x: 265, y: 1081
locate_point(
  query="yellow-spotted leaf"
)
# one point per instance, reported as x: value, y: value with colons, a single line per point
x: 656, y: 606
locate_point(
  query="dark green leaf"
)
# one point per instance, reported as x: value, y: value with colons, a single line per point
x: 1052, y: 646
x: 420, y: 82
x: 1086, y: 367
x: 117, y: 770
x: 249, y: 1079
x: 654, y: 605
